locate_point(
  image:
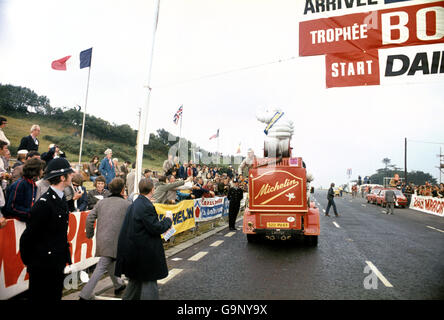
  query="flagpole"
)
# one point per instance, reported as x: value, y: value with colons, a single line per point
x: 144, y: 115
x: 84, y: 116
x: 180, y: 131
x: 218, y: 137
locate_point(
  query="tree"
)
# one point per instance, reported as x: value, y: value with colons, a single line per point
x: 416, y: 177
x: 16, y: 99
x: 386, y: 161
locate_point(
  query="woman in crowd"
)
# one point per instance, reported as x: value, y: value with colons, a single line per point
x: 21, y: 195
x: 93, y: 168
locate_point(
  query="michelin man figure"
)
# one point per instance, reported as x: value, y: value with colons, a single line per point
x: 278, y: 130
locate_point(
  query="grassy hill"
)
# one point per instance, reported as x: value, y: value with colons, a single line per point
x: 53, y: 132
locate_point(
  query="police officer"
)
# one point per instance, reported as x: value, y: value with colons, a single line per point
x: 44, y: 246
x: 235, y: 195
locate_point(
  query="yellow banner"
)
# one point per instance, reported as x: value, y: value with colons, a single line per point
x: 183, y: 214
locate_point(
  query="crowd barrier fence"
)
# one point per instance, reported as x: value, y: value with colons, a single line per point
x: 429, y: 205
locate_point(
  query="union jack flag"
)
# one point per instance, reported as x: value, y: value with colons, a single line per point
x: 178, y: 115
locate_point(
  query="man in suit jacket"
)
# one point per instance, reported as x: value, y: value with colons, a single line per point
x: 140, y: 253
x: 44, y: 246
x: 109, y: 214
x: 31, y: 142
x: 331, y: 201
x: 107, y: 168
x: 390, y: 198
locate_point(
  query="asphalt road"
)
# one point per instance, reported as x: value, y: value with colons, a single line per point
x: 363, y: 254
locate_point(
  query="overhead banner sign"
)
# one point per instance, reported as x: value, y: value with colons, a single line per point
x: 376, y: 47
x: 352, y: 69
x: 417, y: 64
x: 403, y: 26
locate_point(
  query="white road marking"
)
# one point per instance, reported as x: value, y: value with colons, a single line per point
x: 336, y: 225
x: 197, y: 256
x: 216, y: 243
x: 106, y: 298
x: 230, y: 234
x: 363, y: 205
x: 176, y: 259
x: 171, y: 274
x: 435, y: 229
x: 379, y: 274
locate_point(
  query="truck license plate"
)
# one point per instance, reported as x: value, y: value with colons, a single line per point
x: 278, y: 225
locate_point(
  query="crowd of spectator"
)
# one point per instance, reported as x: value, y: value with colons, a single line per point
x: 44, y: 187
x: 22, y: 182
x: 427, y: 190
x: 409, y: 189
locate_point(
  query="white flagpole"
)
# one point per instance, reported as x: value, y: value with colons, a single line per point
x: 218, y: 150
x: 84, y: 116
x: 141, y: 140
x: 180, y: 131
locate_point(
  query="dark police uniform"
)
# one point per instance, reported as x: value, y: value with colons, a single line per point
x: 235, y: 195
x: 331, y: 201
x: 44, y: 246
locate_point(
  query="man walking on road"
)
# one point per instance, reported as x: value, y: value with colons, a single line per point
x: 331, y: 201
x: 390, y: 199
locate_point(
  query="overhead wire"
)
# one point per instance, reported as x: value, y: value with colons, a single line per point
x: 217, y: 74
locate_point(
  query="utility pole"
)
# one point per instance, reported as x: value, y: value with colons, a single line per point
x: 441, y: 164
x: 405, y: 161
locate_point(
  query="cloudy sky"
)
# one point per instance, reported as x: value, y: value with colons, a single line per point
x: 219, y: 58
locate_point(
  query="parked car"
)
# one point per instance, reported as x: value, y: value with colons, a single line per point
x: 401, y: 199
x: 337, y: 192
x: 371, y: 197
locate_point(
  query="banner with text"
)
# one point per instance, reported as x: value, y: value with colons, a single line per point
x: 352, y: 69
x: 360, y: 32
x: 183, y: 214
x: 415, y: 64
x: 430, y: 205
x: 312, y: 9
x: 14, y: 278
x: 206, y: 209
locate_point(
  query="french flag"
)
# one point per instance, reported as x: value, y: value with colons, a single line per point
x: 215, y: 135
x: 85, y: 61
